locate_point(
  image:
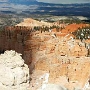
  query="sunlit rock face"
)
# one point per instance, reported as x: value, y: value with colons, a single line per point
x: 53, y: 58
x: 14, y: 74
x: 54, y: 87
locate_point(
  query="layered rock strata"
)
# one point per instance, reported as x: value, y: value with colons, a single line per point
x: 61, y: 57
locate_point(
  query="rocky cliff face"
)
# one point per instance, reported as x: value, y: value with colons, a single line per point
x: 37, y: 44
x: 53, y: 57
x: 14, y: 74
x: 66, y: 71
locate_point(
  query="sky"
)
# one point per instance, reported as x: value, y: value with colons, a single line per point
x: 65, y: 1
x: 58, y: 1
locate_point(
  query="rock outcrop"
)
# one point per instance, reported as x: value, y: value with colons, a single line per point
x: 14, y: 74
x: 56, y: 57
x: 54, y: 87
x: 31, y: 22
x: 71, y: 72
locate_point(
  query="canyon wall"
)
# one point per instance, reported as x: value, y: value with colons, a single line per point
x: 36, y: 44
x: 57, y: 53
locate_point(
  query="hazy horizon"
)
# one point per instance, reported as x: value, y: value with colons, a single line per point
x: 65, y: 1
x: 55, y: 1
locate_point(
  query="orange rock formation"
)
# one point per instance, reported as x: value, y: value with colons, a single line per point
x: 56, y: 53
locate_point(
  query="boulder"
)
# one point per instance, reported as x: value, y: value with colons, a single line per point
x: 14, y: 74
x: 54, y: 87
